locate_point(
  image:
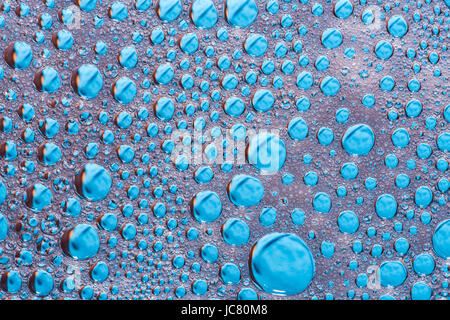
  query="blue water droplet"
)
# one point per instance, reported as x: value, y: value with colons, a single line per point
x: 38, y: 197
x: 331, y: 38
x: 423, y: 197
x: 41, y: 283
x: 297, y: 128
x: 62, y: 40
x: 11, y: 281
x: 441, y: 239
x: 206, y: 206
x: 204, y: 14
x: 322, y: 202
x: 18, y: 55
x: 99, y: 272
x: 358, y: 140
x: 267, y: 152
x: 397, y: 26
x: 263, y: 100
x: 235, y: 232
x: 93, y: 182
x: 424, y: 264
x: 3, y: 227
x: 255, y: 45
x: 330, y: 86
x: 268, y: 216
x: 168, y: 10
x: 421, y: 291
x: 244, y: 190
x: 230, y: 273
x: 164, y: 108
x: 281, y: 264
x: 348, y: 222
x: 81, y: 242
x: 343, y: 9
x: 241, y: 13
x: 124, y: 90
x: 128, y: 57
x: 386, y: 206
x: 49, y: 153
x: 47, y: 80
x: 87, y: 81
x: 392, y: 273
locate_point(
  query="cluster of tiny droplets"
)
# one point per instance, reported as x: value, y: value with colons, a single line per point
x: 341, y: 109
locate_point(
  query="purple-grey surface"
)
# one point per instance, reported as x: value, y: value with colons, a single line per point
x: 233, y: 149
